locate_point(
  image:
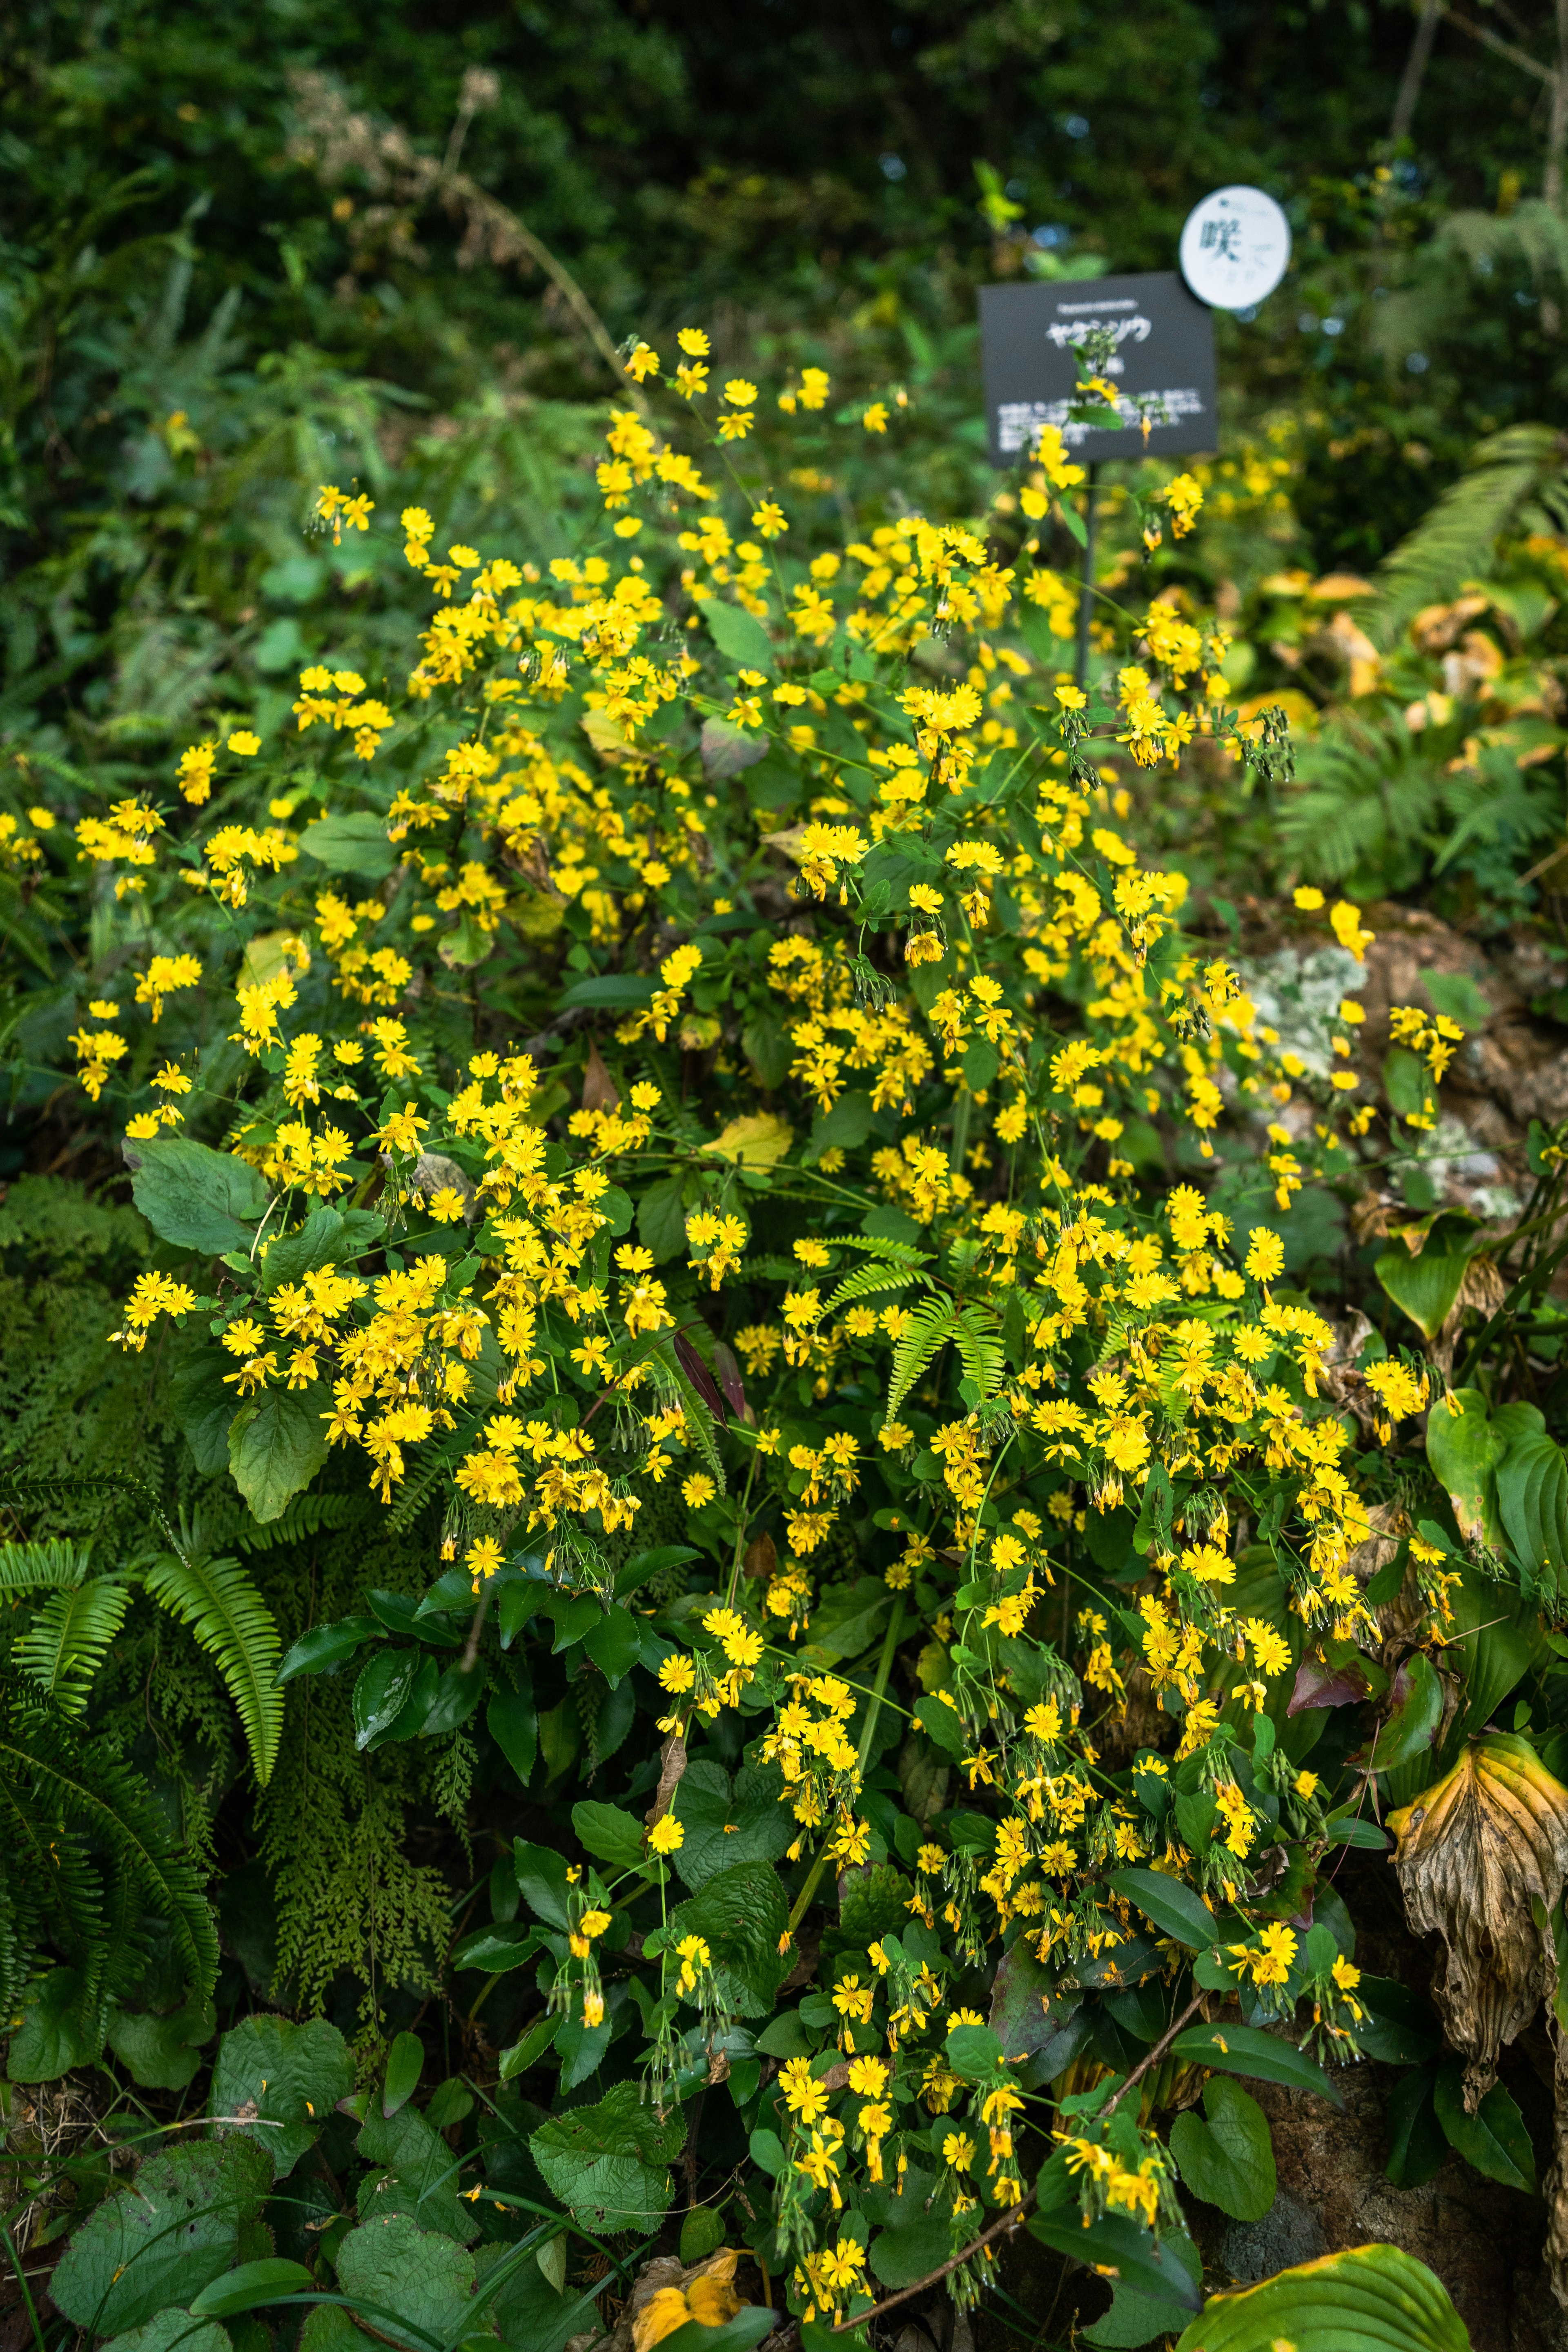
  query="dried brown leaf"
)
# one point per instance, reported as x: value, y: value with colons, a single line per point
x: 1473, y: 1852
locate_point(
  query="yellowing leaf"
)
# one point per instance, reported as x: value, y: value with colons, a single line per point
x: 1476, y: 1853
x: 756, y: 1141
x: 659, y: 2317
x: 712, y: 2301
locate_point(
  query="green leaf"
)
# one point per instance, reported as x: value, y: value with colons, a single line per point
x: 1416, y: 2145
x: 203, y: 1200
x: 614, y: 1642
x: 414, y: 2285
x: 1122, y: 2246
x: 1464, y: 1450
x: 542, y: 1881
x: 505, y: 1944
x: 162, y: 2053
x: 275, y: 1447
x: 404, y: 2064
x: 741, y: 1914
x: 1372, y: 2299
x: 661, y: 1219
x: 723, y: 1826
x: 1136, y: 2319
x: 610, y: 1834
x: 1532, y: 1499
x: 353, y: 842
x: 1494, y: 2139
x: 294, y: 2074
x: 748, y: 2327
x: 916, y: 2244
x: 172, y: 2331
x: 1227, y: 2160
x: 59, y: 2028
x: 1424, y: 1287
x: 610, y: 2163
x: 327, y: 1238
x: 1247, y: 2050
x: 739, y: 635
x: 230, y: 1621
x: 203, y: 1406
x: 419, y: 2180
x: 941, y: 1722
x: 250, y: 2288
x: 381, y: 1693
x: 325, y: 1646
x: 974, y: 2051
x: 844, y: 1128
x: 1418, y: 1710
x: 513, y: 1724
x: 1173, y: 1908
x: 163, y: 2241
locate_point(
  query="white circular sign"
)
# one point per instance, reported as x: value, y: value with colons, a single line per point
x: 1235, y: 248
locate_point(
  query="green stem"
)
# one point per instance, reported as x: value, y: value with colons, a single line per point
x: 884, y: 1668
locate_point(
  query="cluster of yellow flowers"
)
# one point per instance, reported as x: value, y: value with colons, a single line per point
x: 879, y: 902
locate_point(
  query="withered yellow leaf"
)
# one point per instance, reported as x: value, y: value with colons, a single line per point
x: 1473, y: 1852
x: 756, y: 1141
x: 660, y: 2315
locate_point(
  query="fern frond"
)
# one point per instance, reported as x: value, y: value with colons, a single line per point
x: 980, y: 1350
x: 933, y: 1322
x: 218, y: 1600
x: 93, y: 1854
x: 896, y: 1253
x: 428, y: 1474
x: 1455, y: 540
x: 68, y: 1640
x: 39, y: 1567
x: 699, y: 1423
x: 307, y: 1514
x: 868, y: 1281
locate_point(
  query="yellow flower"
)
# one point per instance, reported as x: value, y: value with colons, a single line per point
x: 666, y: 1837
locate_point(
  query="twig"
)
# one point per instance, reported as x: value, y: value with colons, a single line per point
x: 1014, y: 2213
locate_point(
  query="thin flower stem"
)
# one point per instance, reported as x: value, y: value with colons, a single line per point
x: 884, y: 1668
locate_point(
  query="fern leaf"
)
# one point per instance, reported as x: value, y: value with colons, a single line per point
x: 94, y: 1854
x: 933, y: 1322
x: 875, y: 1245
x: 699, y: 1423
x: 1455, y: 540
x: 867, y: 1282
x: 306, y: 1515
x: 218, y: 1600
x: 980, y: 1350
x: 35, y: 1567
x: 68, y: 1640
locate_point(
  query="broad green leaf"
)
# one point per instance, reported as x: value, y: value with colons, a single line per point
x: 404, y: 2064
x: 419, y: 2180
x: 406, y: 2278
x: 725, y: 1826
x: 661, y: 1218
x: 353, y: 842
x: 941, y: 1722
x: 1134, y: 2319
x: 1464, y: 1450
x: 739, y: 635
x: 174, y: 2331
x: 610, y: 1834
x: 1173, y: 1908
x: 1424, y: 1287
x: 162, y: 2053
x: 201, y: 1200
x: 741, y: 1914
x: 917, y: 2243
x: 1372, y: 2299
x: 542, y: 1881
x: 277, y: 1444
x: 295, y: 2074
x: 1122, y: 2248
x: 1417, y: 1711
x: 1494, y: 2139
x: 506, y: 1944
x: 1227, y: 2160
x: 325, y: 1646
x: 610, y: 2163
x: 1247, y: 2050
x: 203, y: 1406
x: 1532, y: 1501
x: 513, y: 1724
x: 163, y: 2241
x: 327, y: 1238
x: 1416, y: 2145
x: 250, y: 2288
x: 382, y: 1692
x: 533, y: 2310
x: 615, y: 1644
x: 974, y: 2051
x: 59, y: 2028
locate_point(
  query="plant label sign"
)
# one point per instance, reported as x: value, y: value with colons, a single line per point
x: 1162, y: 366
